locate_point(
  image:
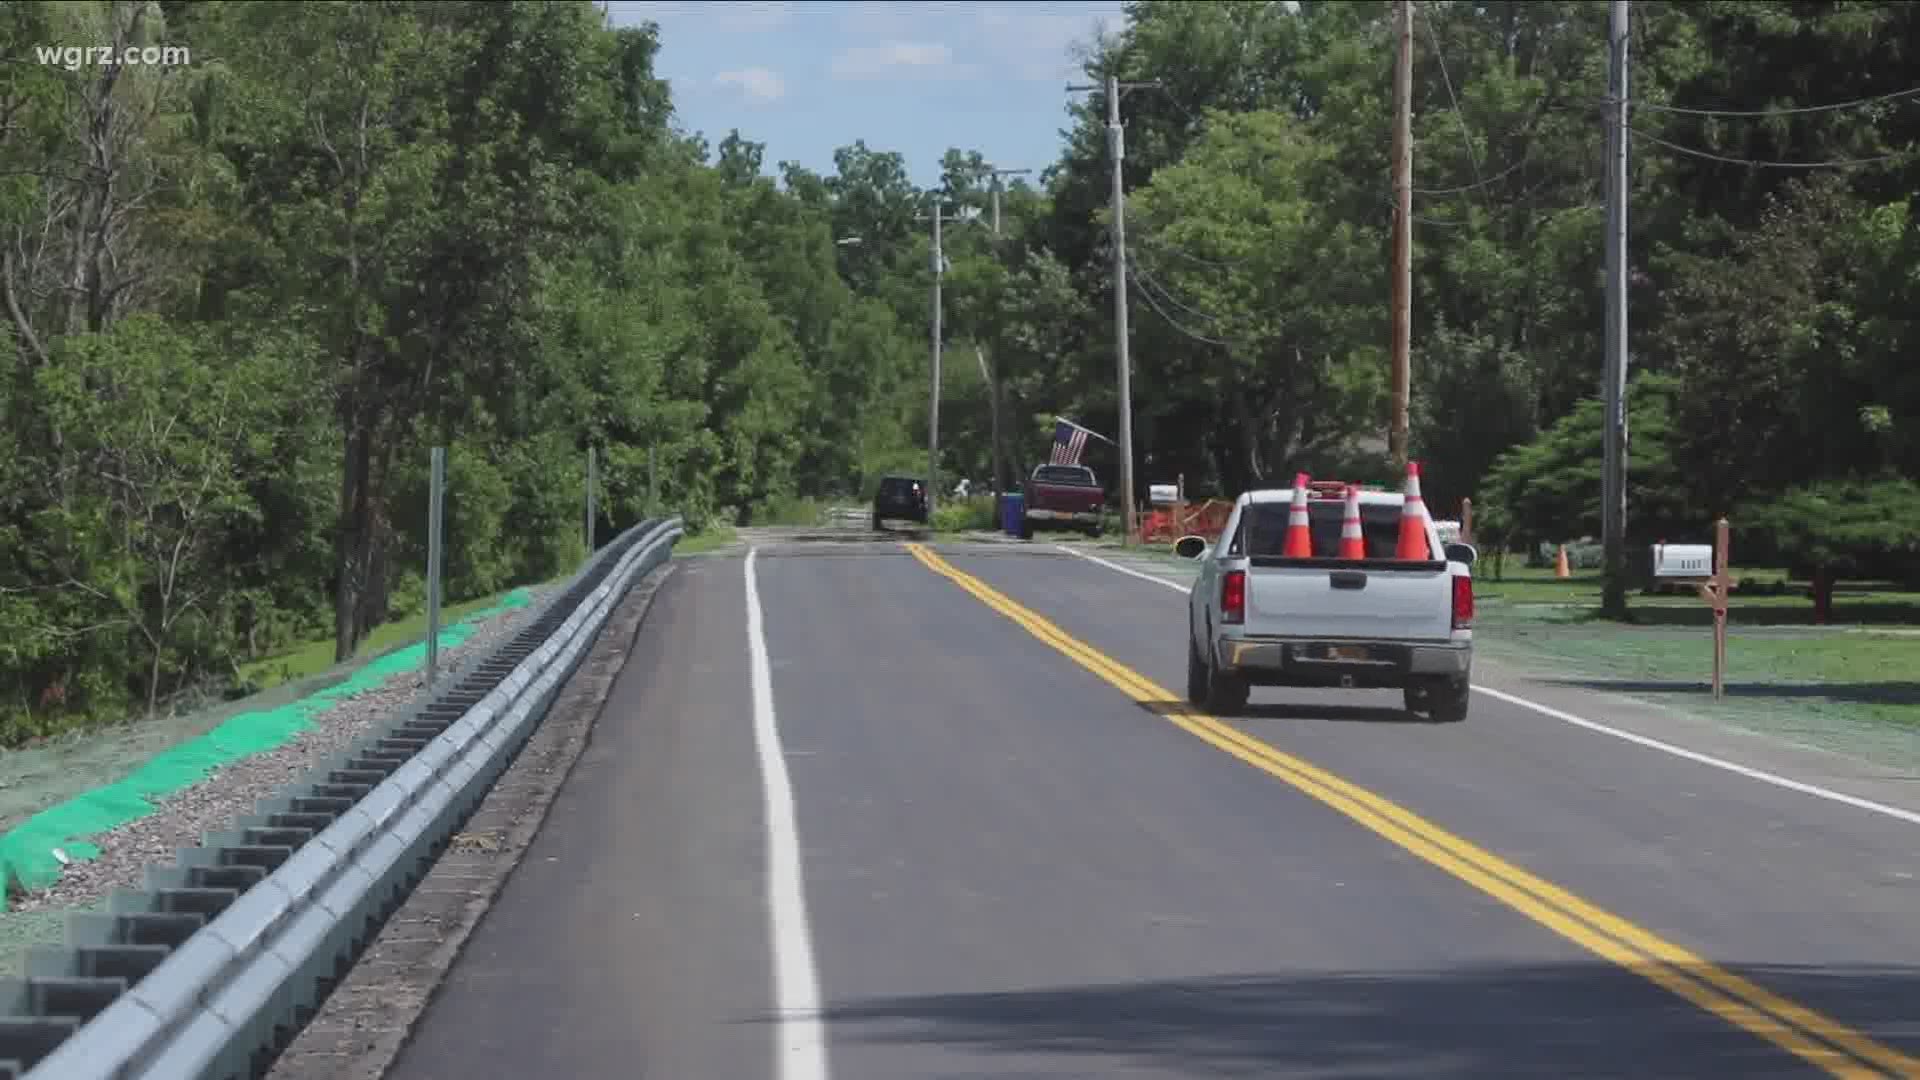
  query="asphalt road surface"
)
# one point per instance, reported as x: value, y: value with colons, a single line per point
x: 950, y: 823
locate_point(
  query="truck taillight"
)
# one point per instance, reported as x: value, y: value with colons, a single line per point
x: 1462, y: 603
x: 1233, y: 597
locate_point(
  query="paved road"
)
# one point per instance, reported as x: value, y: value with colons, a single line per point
x: 1012, y: 869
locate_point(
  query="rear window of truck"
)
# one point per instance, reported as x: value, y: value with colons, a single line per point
x: 1063, y: 474
x: 1263, y: 529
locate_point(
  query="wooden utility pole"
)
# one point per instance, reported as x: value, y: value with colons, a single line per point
x: 1402, y: 229
x: 933, y: 410
x: 1117, y: 152
x: 1613, y: 483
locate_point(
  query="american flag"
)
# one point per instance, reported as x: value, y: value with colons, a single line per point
x: 1069, y: 442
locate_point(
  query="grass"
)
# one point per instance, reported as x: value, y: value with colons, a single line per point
x: 1816, y: 683
x: 712, y: 538
x: 314, y: 657
x: 792, y: 510
x: 975, y: 513
x: 1850, y: 686
x: 1761, y: 597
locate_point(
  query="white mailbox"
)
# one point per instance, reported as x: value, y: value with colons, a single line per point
x: 1163, y: 494
x: 1682, y: 560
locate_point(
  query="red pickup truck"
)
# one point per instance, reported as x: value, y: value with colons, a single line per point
x: 1063, y: 497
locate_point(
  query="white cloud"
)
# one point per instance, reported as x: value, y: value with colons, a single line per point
x: 1038, y: 44
x: 738, y: 16
x: 877, y: 61
x: 757, y: 84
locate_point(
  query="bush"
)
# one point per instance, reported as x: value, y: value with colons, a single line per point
x: 962, y: 515
x: 789, y: 510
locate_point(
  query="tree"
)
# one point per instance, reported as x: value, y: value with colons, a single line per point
x: 1838, y: 529
x: 160, y: 419
x: 1548, y: 490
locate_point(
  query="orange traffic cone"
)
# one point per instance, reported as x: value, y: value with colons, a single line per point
x: 1413, y: 519
x: 1560, y: 568
x: 1353, y: 542
x: 1299, y: 535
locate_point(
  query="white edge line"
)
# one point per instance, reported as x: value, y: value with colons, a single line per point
x: 1747, y: 771
x: 1174, y: 585
x: 800, y: 1051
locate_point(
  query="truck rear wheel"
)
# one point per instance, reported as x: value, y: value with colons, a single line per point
x: 1443, y: 700
x: 1226, y: 694
x: 1221, y: 695
x: 1026, y: 528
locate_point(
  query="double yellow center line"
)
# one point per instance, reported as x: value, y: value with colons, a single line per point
x: 1817, y: 1039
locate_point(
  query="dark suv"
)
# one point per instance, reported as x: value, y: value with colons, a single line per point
x: 900, y: 497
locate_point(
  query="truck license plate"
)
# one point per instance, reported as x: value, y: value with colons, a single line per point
x: 1346, y: 652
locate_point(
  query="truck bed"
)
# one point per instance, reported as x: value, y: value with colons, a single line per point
x: 1380, y: 598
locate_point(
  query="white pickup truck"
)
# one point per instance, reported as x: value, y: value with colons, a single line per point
x: 1256, y: 618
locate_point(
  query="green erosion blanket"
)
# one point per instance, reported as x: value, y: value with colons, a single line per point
x: 26, y: 851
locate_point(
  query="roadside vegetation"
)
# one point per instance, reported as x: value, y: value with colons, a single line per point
x: 234, y: 341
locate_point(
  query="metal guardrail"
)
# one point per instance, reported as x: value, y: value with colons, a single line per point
x: 211, y: 970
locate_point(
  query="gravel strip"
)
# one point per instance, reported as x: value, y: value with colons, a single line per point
x: 184, y: 818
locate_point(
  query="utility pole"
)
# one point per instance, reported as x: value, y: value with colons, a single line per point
x: 996, y: 174
x: 1613, y: 488
x: 436, y: 557
x: 933, y: 411
x: 993, y: 383
x: 1116, y: 142
x: 1397, y: 435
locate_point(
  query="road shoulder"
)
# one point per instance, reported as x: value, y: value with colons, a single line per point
x: 363, y: 1025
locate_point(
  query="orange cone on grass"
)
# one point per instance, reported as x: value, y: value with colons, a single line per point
x: 1299, y: 535
x: 1353, y: 542
x: 1413, y: 520
x: 1560, y: 568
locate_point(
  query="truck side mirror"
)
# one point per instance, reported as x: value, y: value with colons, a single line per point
x: 1461, y: 553
x: 1192, y: 547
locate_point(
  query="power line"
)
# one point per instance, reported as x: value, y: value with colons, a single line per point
x: 1482, y: 182
x: 1156, y: 244
x: 1802, y: 110
x: 1147, y: 295
x: 1147, y: 279
x: 1840, y: 163
x: 1466, y: 135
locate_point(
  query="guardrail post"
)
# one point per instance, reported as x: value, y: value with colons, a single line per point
x: 591, y: 475
x: 435, y: 559
x: 653, y: 480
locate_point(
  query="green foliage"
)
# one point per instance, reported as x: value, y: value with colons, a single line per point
x: 974, y: 512
x: 358, y: 232
x: 789, y: 510
x: 253, y: 293
x: 1548, y: 491
x: 1844, y: 529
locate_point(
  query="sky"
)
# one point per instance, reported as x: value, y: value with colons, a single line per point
x: 806, y: 77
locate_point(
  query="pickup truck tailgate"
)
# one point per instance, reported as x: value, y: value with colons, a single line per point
x: 1378, y: 603
x: 1075, y: 500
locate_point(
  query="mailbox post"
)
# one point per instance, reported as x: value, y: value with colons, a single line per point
x: 1705, y: 567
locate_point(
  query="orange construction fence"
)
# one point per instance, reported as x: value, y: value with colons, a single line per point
x: 1170, y: 523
